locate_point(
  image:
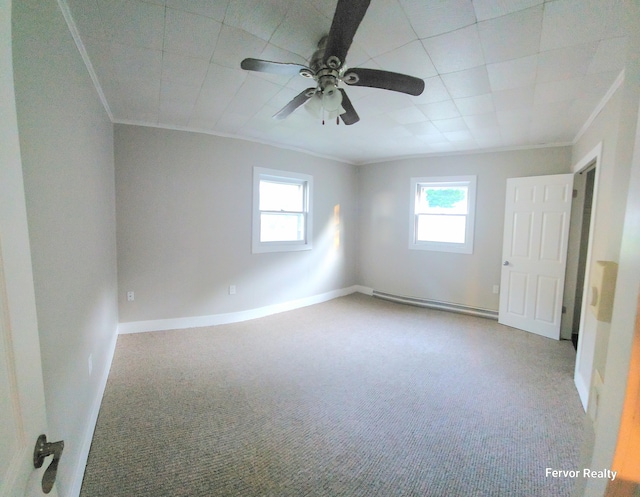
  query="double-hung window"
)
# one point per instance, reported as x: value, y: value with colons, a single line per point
x: 442, y: 214
x: 281, y: 210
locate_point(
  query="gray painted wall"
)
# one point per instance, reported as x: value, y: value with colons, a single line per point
x: 66, y: 141
x: 184, y: 226
x: 616, y: 238
x: 387, y: 264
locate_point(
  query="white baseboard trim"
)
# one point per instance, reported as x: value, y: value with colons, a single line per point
x: 234, y: 317
x: 436, y: 304
x: 81, y: 463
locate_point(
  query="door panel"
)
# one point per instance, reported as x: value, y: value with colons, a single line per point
x: 22, y: 405
x: 536, y: 231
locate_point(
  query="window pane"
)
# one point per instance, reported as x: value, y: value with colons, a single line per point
x: 438, y: 228
x: 281, y: 196
x: 442, y: 199
x: 281, y: 227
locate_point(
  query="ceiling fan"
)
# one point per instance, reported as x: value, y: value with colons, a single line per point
x: 327, y: 68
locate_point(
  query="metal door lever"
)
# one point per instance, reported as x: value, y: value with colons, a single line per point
x: 42, y: 450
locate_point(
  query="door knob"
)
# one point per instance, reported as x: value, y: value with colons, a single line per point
x: 42, y: 450
x: 505, y: 263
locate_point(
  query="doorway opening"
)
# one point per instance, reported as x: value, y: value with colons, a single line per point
x: 582, y: 254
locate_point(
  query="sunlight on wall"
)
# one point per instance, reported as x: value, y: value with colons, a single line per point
x: 627, y: 456
x: 336, y: 224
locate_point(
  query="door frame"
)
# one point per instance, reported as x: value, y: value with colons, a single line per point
x: 585, y: 352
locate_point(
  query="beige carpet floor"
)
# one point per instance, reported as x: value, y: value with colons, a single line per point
x: 352, y: 397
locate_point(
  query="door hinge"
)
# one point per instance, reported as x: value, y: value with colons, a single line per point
x: 42, y: 450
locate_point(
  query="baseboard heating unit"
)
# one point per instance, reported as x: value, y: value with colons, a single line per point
x: 436, y: 304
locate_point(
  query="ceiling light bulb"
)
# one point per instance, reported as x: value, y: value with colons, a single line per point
x: 331, y: 98
x: 314, y: 105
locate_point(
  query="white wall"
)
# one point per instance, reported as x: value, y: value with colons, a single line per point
x: 612, y: 177
x: 66, y: 141
x: 184, y: 226
x: 387, y: 264
x: 617, y: 229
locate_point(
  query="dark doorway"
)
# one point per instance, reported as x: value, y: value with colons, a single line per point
x: 582, y: 257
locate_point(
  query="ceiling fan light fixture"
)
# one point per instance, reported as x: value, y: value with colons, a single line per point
x: 314, y: 106
x: 331, y: 98
x: 350, y: 78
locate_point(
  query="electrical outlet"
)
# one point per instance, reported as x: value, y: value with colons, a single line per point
x: 90, y: 361
x: 130, y: 296
x: 496, y: 289
x: 232, y: 289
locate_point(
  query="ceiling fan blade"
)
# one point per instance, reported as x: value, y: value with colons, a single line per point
x: 350, y: 116
x: 347, y: 18
x: 273, y: 67
x: 375, y: 78
x: 297, y: 101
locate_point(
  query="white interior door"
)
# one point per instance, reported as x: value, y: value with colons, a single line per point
x: 534, y: 252
x: 22, y: 405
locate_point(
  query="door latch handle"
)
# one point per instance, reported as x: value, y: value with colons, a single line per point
x: 42, y: 450
x: 505, y: 263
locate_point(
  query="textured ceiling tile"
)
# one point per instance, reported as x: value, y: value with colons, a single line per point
x: 190, y: 35
x: 101, y: 57
x: 449, y: 125
x: 460, y: 135
x: 516, y: 99
x: 455, y: 51
x: 88, y: 19
x: 178, y: 92
x: 609, y: 56
x: 438, y: 17
x: 301, y: 30
x: 515, y: 136
x: 572, y: 22
x: 214, y: 9
x: 468, y: 83
x: 425, y: 129
x: 234, y: 45
x: 565, y: 63
x: 487, y: 134
x: 440, y: 110
x: 481, y: 121
x: 488, y: 9
x: 252, y: 95
x: 396, y: 32
x: 596, y: 85
x: 556, y: 91
x: 125, y: 40
x: 259, y: 17
x: 185, y: 70
x: 277, y: 54
x: 410, y: 59
x: 133, y: 22
x: 513, y: 73
x: 514, y: 118
x: 137, y: 96
x: 480, y: 104
x: 434, y: 91
x: 326, y: 7
x: 511, y: 36
x: 135, y: 63
x: 408, y: 115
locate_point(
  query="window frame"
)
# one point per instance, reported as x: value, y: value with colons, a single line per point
x: 278, y: 176
x: 443, y: 181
